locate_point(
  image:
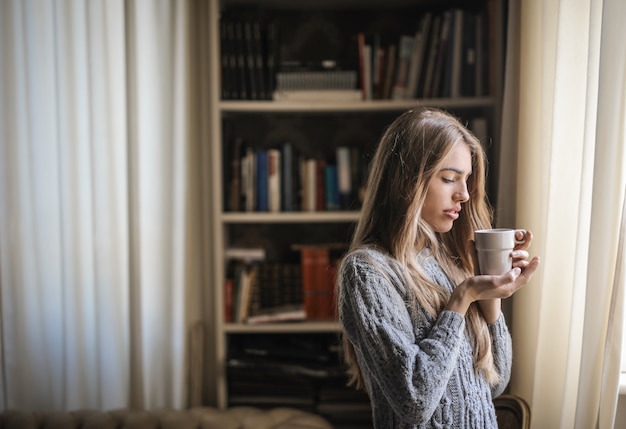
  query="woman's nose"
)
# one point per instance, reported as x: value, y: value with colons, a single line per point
x: 463, y: 193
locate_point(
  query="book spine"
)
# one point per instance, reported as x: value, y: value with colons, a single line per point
x: 361, y: 48
x: 240, y: 49
x: 330, y: 183
x: 402, y: 70
x: 309, y: 185
x: 441, y: 55
x: 344, y: 177
x: 262, y: 181
x: 259, y: 61
x: 228, y: 300
x: 433, y: 43
x: 270, y: 50
x: 307, y: 263
x: 390, y: 70
x: 287, y: 179
x: 250, y: 56
x: 320, y: 188
x: 458, y: 38
x: 224, y: 58
x: 249, y: 178
x: 273, y: 179
x: 235, y: 195
x: 323, y: 298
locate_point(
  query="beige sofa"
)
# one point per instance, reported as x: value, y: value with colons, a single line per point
x: 194, y: 418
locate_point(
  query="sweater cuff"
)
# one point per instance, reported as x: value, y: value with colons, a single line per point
x: 450, y: 324
x: 498, y: 328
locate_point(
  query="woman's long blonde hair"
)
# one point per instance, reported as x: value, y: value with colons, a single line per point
x: 409, y: 154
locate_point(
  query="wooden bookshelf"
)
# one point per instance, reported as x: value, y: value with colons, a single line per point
x: 319, y: 127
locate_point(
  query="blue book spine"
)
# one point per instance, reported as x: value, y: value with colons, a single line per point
x: 332, y: 189
x: 287, y: 191
x: 262, y: 181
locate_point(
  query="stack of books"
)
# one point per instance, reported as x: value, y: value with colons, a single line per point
x: 317, y: 85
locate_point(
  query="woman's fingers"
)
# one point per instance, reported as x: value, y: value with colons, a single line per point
x: 523, y: 234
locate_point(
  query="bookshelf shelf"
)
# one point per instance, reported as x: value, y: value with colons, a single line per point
x: 240, y: 122
x: 352, y: 106
x: 290, y: 217
x: 294, y: 328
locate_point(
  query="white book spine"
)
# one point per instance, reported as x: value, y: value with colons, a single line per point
x: 273, y: 180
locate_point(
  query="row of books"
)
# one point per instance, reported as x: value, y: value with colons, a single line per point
x: 446, y: 56
x: 283, y: 179
x: 258, y: 291
x: 248, y: 59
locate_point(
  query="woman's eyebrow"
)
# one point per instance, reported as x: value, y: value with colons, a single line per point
x: 456, y: 170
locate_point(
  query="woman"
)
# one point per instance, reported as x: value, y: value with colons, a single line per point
x: 423, y: 335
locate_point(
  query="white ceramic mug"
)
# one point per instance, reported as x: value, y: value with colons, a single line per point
x: 494, y: 247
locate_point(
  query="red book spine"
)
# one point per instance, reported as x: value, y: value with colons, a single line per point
x: 307, y: 261
x: 228, y: 300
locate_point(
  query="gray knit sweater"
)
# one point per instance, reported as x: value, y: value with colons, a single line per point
x: 418, y: 370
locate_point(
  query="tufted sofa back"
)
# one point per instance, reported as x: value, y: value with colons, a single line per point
x: 194, y: 418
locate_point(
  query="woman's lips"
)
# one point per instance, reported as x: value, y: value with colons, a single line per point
x: 452, y: 214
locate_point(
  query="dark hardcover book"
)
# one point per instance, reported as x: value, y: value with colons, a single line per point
x: 227, y: 155
x: 450, y: 86
x: 271, y: 58
x: 254, y: 300
x: 259, y: 61
x: 240, y: 49
x: 417, y: 59
x: 320, y: 187
x: 482, y: 59
x: 287, y: 178
x: 469, y: 55
x: 229, y: 285
x: 239, y: 272
x: 390, y: 70
x: 262, y: 190
x: 252, y: 73
x: 381, y: 58
x: 332, y: 189
x: 442, y: 55
x: 363, y: 79
x: 378, y: 53
x: 430, y: 59
x: 234, y: 189
x: 227, y: 72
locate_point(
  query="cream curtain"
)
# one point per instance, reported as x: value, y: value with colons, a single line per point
x: 565, y: 112
x: 96, y: 293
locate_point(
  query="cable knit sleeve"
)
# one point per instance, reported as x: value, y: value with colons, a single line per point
x: 502, y: 349
x: 410, y: 365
